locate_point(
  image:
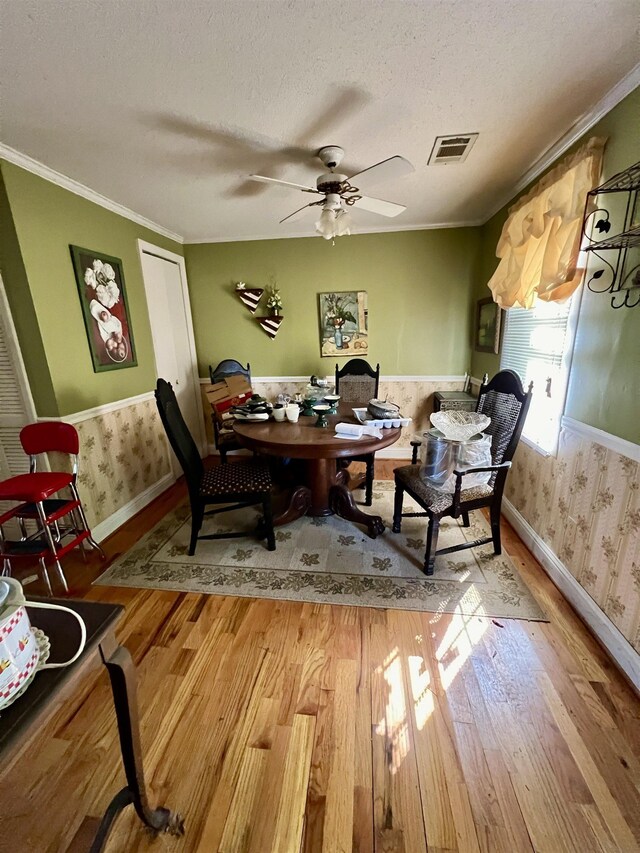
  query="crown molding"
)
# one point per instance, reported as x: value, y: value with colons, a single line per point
x: 37, y: 168
x: 383, y: 229
x: 586, y: 121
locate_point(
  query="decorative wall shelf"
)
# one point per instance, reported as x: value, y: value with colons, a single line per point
x: 271, y: 325
x: 250, y: 296
x: 612, y: 275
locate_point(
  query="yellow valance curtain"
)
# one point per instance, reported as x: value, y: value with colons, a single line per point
x: 540, y: 241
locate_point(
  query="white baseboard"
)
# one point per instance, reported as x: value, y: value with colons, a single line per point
x: 118, y: 518
x: 622, y: 652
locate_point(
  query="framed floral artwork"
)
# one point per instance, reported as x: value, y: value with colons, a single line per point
x: 344, y: 323
x: 105, y: 309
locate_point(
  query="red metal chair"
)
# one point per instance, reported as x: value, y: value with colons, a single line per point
x: 57, y: 518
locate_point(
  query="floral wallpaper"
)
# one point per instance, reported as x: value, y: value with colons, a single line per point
x: 415, y: 399
x: 585, y: 504
x: 122, y: 453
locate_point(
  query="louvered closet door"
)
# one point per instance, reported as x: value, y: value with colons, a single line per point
x: 16, y: 406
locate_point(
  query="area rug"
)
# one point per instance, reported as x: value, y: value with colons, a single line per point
x: 330, y: 561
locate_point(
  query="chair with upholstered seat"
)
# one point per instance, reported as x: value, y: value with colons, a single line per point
x: 242, y: 484
x: 357, y: 383
x: 47, y: 499
x: 224, y: 437
x: 505, y: 401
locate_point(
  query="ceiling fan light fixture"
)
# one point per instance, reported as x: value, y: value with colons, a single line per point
x: 325, y: 225
x: 342, y: 224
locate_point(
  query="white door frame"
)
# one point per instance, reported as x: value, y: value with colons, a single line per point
x: 16, y: 354
x: 151, y: 249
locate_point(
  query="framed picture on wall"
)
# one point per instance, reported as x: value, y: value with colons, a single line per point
x: 105, y: 309
x: 344, y: 323
x: 488, y: 320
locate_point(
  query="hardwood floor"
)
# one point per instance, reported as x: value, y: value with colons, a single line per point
x: 282, y: 726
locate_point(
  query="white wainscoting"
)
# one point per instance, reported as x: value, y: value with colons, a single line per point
x: 601, y: 626
x: 96, y: 411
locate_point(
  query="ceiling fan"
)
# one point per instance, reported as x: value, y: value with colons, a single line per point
x: 340, y: 192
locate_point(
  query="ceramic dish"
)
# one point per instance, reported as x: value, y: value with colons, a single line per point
x: 44, y: 647
x: 383, y: 409
x: 365, y: 417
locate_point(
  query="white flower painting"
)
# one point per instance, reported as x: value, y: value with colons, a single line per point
x: 106, y: 314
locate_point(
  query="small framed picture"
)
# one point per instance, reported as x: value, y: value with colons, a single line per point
x: 105, y: 309
x: 488, y: 317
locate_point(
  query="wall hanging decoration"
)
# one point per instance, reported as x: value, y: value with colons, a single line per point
x: 344, y: 323
x: 487, y: 332
x: 249, y: 296
x: 270, y: 324
x: 105, y: 309
x: 617, y: 272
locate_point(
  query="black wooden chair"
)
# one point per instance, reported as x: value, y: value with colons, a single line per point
x: 357, y: 382
x: 223, y: 437
x: 505, y: 401
x: 242, y: 484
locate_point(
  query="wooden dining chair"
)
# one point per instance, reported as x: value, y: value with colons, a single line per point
x: 224, y: 438
x: 505, y: 401
x: 357, y: 382
x: 242, y: 484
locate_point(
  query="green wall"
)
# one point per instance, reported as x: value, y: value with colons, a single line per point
x: 45, y: 219
x: 604, y: 384
x: 16, y: 285
x: 419, y: 286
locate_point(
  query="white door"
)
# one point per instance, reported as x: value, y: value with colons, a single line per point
x: 16, y: 403
x: 172, y: 331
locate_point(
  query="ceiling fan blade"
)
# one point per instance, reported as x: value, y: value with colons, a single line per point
x: 284, y: 183
x: 377, y: 205
x: 299, y: 211
x: 394, y: 167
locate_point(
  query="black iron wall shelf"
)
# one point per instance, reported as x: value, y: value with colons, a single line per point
x: 614, y: 275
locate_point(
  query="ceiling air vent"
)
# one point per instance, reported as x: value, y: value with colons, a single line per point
x: 452, y: 149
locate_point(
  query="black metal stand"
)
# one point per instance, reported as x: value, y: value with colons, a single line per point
x: 123, y: 685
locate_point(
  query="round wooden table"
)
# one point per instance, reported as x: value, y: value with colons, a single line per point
x: 324, y: 490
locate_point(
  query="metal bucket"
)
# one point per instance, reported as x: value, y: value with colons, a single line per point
x: 441, y: 456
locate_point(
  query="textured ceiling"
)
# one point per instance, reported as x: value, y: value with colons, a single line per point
x: 166, y: 106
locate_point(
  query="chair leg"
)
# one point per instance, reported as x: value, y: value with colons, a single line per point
x: 397, y: 509
x: 83, y: 519
x: 494, y: 515
x: 368, y: 495
x: 268, y: 524
x: 432, y: 544
x: 50, y: 542
x: 197, y: 514
x: 223, y: 455
x: 465, y: 520
x: 45, y: 575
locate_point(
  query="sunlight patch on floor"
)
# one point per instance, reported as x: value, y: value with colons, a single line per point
x: 461, y: 636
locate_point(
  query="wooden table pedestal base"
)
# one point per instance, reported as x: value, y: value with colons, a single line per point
x: 327, y: 494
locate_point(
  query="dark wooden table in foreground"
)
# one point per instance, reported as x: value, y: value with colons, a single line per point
x: 50, y: 687
x: 324, y: 488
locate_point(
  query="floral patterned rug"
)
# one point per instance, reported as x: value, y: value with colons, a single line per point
x: 330, y: 561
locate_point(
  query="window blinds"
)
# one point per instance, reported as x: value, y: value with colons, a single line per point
x: 535, y: 345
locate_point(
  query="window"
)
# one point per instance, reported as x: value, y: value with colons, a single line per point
x: 537, y: 344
